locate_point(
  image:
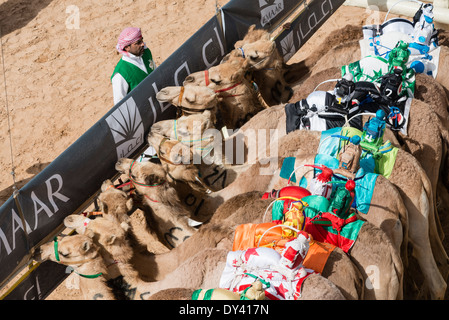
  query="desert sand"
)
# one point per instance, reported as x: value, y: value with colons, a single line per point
x: 58, y: 69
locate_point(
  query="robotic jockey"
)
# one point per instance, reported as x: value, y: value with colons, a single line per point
x: 424, y: 35
x: 323, y: 110
x: 350, y: 158
x: 398, y: 57
x: 425, y: 39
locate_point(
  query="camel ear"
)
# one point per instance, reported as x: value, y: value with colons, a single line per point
x: 238, y: 44
x: 129, y: 204
x: 103, y: 207
x: 111, y: 239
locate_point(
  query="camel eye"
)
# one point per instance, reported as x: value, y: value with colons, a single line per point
x: 253, y: 58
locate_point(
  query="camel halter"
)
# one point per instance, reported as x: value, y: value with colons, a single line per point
x: 190, y: 142
x: 206, y: 77
x: 88, y: 276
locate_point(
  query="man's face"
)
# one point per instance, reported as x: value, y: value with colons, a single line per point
x: 136, y: 48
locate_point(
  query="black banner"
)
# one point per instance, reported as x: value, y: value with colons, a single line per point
x: 266, y: 14
x: 305, y: 24
x: 39, y: 283
x: 77, y: 174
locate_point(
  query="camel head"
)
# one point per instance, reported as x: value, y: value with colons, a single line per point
x: 190, y: 99
x: 171, y: 151
x: 142, y: 174
x: 70, y: 250
x: 107, y: 234
x: 221, y: 77
x: 188, y: 129
x: 114, y: 202
x: 260, y: 54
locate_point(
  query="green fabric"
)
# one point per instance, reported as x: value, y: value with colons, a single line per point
x: 207, y: 294
x: 320, y: 204
x: 385, y: 164
x: 288, y: 165
x: 195, y: 294
x: 132, y: 74
x: 278, y: 210
x: 372, y: 68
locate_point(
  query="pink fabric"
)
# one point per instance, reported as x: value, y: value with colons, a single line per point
x: 128, y: 36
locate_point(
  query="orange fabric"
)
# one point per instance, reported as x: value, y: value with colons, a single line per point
x: 248, y: 235
x: 317, y: 255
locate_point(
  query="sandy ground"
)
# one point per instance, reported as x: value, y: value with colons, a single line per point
x: 58, y: 70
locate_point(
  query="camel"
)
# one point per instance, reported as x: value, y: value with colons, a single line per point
x: 168, y: 213
x: 112, y: 245
x: 238, y: 98
x: 349, y: 51
x: 115, y: 249
x: 220, y: 234
x: 80, y: 253
x: 250, y: 206
x: 397, y: 262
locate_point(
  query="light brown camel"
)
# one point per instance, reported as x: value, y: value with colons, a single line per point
x: 220, y: 234
x: 115, y: 249
x: 109, y: 236
x: 170, y: 216
x: 238, y: 98
x: 397, y: 274
x: 426, y: 140
x: 384, y: 255
x: 80, y: 253
x: 116, y: 204
x: 348, y: 51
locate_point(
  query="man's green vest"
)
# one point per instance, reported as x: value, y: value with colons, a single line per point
x: 132, y: 74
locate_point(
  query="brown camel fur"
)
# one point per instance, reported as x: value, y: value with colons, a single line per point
x: 81, y: 254
x: 171, y: 218
x: 238, y: 99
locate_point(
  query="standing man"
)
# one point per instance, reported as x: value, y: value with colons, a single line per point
x: 136, y: 63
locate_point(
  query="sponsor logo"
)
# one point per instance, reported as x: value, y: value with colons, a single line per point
x: 288, y: 46
x: 269, y: 10
x: 126, y: 127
